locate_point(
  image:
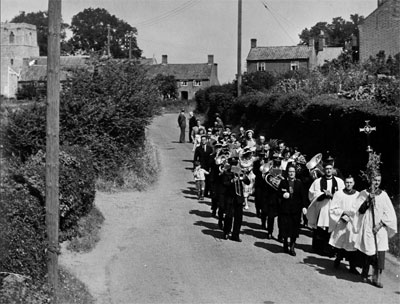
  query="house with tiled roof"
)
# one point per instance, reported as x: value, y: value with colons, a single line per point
x: 281, y: 59
x: 190, y: 77
x: 380, y: 30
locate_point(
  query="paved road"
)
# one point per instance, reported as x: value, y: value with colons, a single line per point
x: 163, y: 246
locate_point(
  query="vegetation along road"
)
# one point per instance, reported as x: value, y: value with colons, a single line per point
x: 164, y: 246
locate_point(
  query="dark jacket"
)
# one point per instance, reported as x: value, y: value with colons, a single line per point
x: 182, y: 120
x: 204, y: 157
x: 297, y: 200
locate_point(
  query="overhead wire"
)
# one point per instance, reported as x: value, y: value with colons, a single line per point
x: 172, y: 13
x: 265, y: 5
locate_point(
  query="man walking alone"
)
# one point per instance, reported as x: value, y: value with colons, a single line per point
x: 182, y: 125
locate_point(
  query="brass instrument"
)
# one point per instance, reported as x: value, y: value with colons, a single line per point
x: 274, y: 178
x: 315, y: 167
x: 237, y: 171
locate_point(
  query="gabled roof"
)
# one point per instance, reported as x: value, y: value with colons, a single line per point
x: 64, y: 60
x: 190, y: 71
x: 39, y: 73
x: 279, y: 52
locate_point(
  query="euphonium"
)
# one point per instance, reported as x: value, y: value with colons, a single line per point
x: 274, y: 178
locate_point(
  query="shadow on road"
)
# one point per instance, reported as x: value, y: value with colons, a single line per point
x: 252, y: 225
x: 188, y: 161
x: 305, y: 247
x: 212, y: 229
x: 274, y: 248
x: 256, y: 233
x: 325, y: 266
x: 205, y: 214
x: 306, y: 232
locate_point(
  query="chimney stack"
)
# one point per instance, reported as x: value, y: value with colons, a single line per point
x: 164, y: 59
x: 253, y: 43
x: 210, y: 59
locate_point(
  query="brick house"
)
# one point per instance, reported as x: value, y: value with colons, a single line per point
x: 380, y: 31
x: 190, y: 77
x: 281, y: 59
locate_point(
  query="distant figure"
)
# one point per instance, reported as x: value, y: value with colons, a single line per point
x: 182, y: 125
x: 192, y: 123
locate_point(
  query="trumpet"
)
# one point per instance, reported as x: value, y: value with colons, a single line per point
x: 237, y: 171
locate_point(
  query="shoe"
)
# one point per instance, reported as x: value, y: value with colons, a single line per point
x: 364, y: 279
x: 236, y: 239
x: 226, y: 236
x: 292, y: 252
x: 269, y: 236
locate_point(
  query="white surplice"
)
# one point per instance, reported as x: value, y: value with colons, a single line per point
x: 318, y: 211
x: 343, y: 235
x: 384, y: 211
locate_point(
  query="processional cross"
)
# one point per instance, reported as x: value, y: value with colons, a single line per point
x: 367, y: 129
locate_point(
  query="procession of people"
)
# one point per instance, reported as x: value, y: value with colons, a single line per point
x: 230, y: 168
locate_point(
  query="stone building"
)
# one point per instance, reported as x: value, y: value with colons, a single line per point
x: 281, y: 59
x: 190, y: 77
x: 380, y: 30
x: 18, y: 41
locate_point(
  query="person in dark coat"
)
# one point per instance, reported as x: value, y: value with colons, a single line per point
x: 203, y: 154
x: 292, y: 203
x: 192, y: 123
x: 182, y: 125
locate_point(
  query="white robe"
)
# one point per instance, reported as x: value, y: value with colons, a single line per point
x: 384, y: 212
x: 343, y: 235
x: 318, y: 211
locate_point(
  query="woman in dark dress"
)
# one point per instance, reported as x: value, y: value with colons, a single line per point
x: 292, y: 204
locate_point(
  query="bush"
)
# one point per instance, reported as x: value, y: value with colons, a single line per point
x: 22, y: 230
x: 104, y: 109
x: 77, y: 184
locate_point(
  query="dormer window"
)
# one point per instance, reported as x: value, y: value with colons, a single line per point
x: 12, y: 37
x: 197, y: 83
x: 184, y: 83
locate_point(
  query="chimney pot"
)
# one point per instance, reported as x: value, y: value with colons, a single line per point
x: 253, y: 43
x: 164, y: 59
x: 210, y: 59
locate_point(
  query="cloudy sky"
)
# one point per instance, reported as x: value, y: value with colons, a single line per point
x: 188, y: 30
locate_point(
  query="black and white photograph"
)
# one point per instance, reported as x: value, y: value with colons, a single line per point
x: 200, y: 151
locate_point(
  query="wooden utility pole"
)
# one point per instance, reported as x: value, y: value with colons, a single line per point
x: 239, y: 50
x: 130, y: 45
x: 108, y: 40
x: 52, y: 143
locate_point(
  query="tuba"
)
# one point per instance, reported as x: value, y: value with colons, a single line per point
x: 314, y: 166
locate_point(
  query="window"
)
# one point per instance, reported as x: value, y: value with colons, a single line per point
x: 12, y: 61
x: 184, y: 83
x: 260, y: 66
x: 294, y: 65
x: 12, y: 37
x: 196, y: 83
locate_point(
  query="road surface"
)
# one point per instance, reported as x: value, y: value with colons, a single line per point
x: 163, y: 246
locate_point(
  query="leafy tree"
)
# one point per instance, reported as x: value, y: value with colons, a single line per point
x: 167, y: 85
x: 89, y: 33
x: 41, y: 20
x: 257, y: 81
x: 336, y: 32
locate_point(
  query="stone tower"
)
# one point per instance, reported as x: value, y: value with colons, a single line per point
x: 18, y: 41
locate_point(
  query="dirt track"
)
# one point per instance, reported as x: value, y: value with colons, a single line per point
x: 163, y: 246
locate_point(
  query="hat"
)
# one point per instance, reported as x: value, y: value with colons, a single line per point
x: 328, y: 161
x: 182, y: 110
x: 249, y: 131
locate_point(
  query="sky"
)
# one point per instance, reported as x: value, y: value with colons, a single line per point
x: 189, y: 30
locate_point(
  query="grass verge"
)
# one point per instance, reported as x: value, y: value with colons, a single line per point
x: 140, y: 171
x: 88, y: 232
x: 17, y: 289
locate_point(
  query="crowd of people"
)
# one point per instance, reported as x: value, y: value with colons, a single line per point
x: 230, y: 167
